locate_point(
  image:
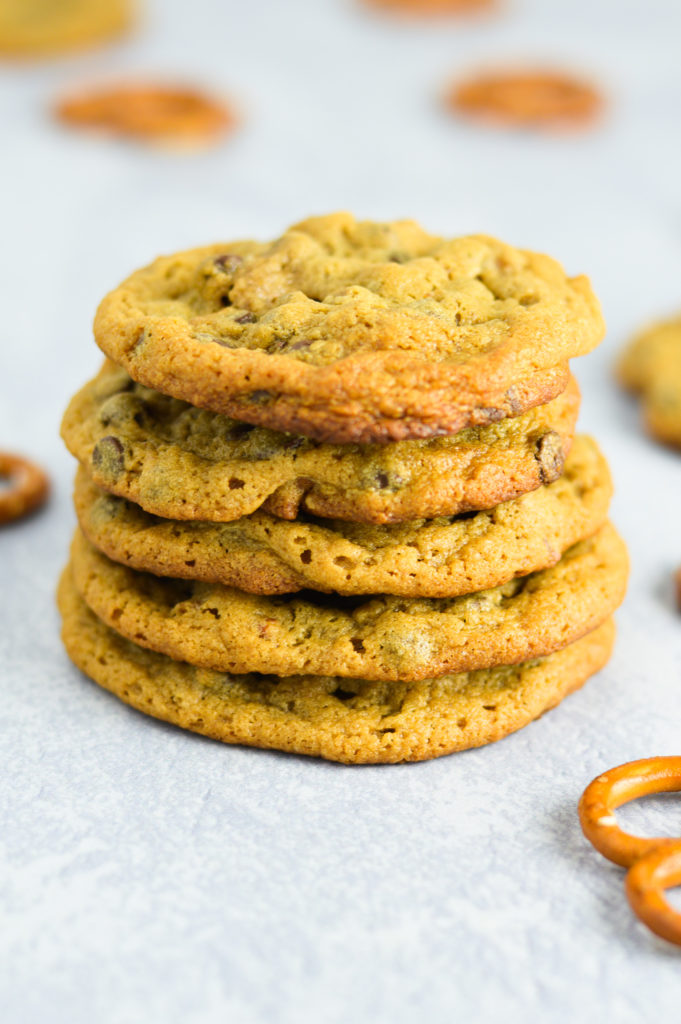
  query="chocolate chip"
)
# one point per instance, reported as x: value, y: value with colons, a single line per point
x: 108, y: 457
x: 235, y: 484
x: 548, y: 451
x: 340, y: 694
x: 382, y: 480
x: 357, y: 644
x: 238, y: 430
x: 293, y: 443
x: 306, y: 556
x: 228, y: 263
x: 246, y: 318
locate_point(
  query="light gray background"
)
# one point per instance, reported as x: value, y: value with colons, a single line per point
x: 150, y: 875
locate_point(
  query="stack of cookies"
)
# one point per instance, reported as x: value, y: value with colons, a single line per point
x: 330, y: 500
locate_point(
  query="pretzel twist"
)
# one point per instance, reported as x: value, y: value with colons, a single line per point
x: 27, y: 489
x: 655, y: 864
x: 644, y: 885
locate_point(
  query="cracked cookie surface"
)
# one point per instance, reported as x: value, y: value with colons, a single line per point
x: 351, y: 721
x: 442, y: 557
x: 177, y: 461
x: 650, y: 366
x: 380, y: 637
x: 353, y: 331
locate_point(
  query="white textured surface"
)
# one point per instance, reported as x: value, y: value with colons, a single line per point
x: 148, y: 875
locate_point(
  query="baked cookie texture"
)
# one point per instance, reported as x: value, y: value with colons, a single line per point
x: 650, y: 366
x: 181, y: 462
x: 351, y: 721
x: 381, y: 638
x: 330, y: 497
x: 350, y: 331
x: 43, y: 27
x: 441, y: 557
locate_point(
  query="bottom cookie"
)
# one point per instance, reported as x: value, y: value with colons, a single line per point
x: 352, y: 721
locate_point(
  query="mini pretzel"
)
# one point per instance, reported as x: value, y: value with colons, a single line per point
x: 645, y: 883
x: 434, y: 7
x: 28, y: 487
x: 526, y: 98
x: 152, y: 112
x: 616, y: 787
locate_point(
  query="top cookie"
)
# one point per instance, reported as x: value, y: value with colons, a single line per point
x: 351, y: 331
x: 651, y: 366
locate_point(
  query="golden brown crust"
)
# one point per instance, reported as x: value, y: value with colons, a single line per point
x: 650, y: 366
x: 28, y: 487
x: 181, y: 462
x: 351, y: 721
x: 527, y: 98
x: 443, y: 557
x: 382, y: 638
x: 155, y: 113
x: 31, y: 28
x: 350, y: 331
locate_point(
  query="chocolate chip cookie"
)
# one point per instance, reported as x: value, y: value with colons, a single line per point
x: 651, y: 367
x: 441, y: 557
x: 381, y: 638
x: 348, y: 720
x: 182, y: 462
x: 42, y: 27
x: 349, y: 331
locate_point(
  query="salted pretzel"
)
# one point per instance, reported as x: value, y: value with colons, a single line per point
x: 531, y: 98
x: 616, y: 787
x: 434, y: 7
x: 655, y: 864
x: 151, y: 112
x: 27, y: 487
x: 645, y: 884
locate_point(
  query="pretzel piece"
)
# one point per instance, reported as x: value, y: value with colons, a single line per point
x: 532, y: 98
x: 645, y: 883
x: 27, y: 489
x: 149, y: 112
x: 616, y: 787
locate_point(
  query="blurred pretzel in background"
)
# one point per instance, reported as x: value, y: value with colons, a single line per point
x: 149, y: 112
x: 434, y: 7
x: 26, y: 487
x: 526, y: 99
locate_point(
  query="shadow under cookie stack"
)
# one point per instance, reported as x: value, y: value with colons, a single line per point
x: 329, y: 497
